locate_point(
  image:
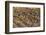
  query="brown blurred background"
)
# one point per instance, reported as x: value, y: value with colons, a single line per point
x: 26, y: 17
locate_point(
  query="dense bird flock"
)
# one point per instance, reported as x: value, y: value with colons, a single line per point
x: 26, y: 17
